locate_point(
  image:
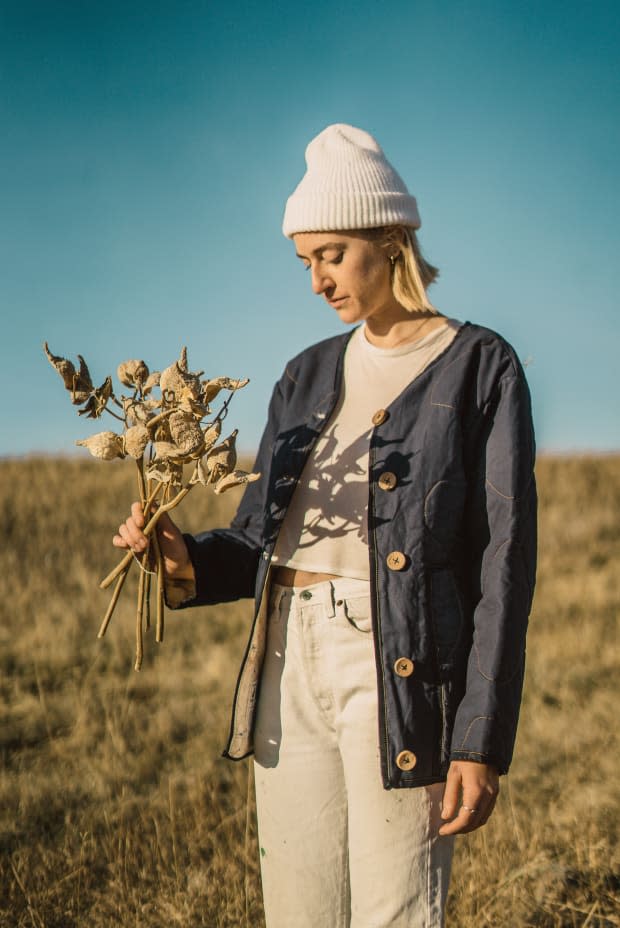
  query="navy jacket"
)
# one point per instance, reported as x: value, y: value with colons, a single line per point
x: 452, y: 548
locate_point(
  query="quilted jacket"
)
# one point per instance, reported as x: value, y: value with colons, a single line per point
x: 452, y: 549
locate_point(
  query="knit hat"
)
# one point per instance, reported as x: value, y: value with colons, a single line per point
x: 349, y: 184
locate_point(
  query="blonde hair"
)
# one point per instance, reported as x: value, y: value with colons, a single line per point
x: 411, y: 273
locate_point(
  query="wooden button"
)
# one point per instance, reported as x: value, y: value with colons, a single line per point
x: 396, y: 560
x: 380, y: 416
x: 387, y: 480
x: 406, y: 760
x: 403, y: 667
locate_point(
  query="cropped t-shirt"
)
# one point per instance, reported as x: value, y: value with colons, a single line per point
x: 325, y: 529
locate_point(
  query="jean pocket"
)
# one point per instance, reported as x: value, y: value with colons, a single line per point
x: 358, y: 613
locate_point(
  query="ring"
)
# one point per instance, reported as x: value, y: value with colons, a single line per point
x: 468, y: 809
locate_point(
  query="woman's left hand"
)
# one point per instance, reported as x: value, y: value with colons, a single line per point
x: 469, y: 797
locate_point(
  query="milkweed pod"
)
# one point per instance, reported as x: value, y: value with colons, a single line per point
x: 151, y: 381
x: 176, y: 383
x: 104, y: 445
x: 136, y: 439
x: 97, y: 401
x: 186, y: 432
x: 223, y: 458
x: 166, y: 472
x: 212, y: 434
x: 236, y: 478
x: 167, y: 451
x: 197, y: 410
x: 78, y: 382
x: 200, y: 474
x: 82, y: 383
x: 227, y: 447
x: 211, y: 388
x: 132, y: 373
x: 136, y: 411
x: 65, y: 368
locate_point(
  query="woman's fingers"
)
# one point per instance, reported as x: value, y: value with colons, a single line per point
x: 130, y: 534
x: 477, y: 785
x: 474, y: 812
x: 174, y: 551
x: 451, y: 793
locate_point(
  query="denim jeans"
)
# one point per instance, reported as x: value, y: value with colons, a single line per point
x: 337, y: 849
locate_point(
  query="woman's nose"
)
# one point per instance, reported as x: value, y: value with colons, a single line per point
x: 320, y: 281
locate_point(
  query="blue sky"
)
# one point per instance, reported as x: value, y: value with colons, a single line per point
x: 148, y: 149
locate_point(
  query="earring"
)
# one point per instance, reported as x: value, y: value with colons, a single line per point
x: 393, y: 259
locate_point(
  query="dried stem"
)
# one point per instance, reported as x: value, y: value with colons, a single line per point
x: 113, y: 601
x: 159, y: 626
x: 141, y: 481
x: 147, y: 593
x: 139, y: 615
x: 159, y: 418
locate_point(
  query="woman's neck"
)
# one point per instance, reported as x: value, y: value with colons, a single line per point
x: 392, y: 330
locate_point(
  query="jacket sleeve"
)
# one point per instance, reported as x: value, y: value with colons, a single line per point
x: 226, y: 560
x: 501, y: 533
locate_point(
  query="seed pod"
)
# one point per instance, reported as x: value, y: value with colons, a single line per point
x: 212, y: 434
x: 136, y: 439
x: 104, y: 445
x: 200, y: 474
x: 78, y: 382
x: 167, y: 451
x: 222, y: 459
x: 176, y: 383
x: 211, y: 388
x: 236, y: 478
x: 97, y: 401
x: 186, y: 432
x: 197, y: 410
x: 136, y: 411
x: 166, y: 472
x: 132, y: 373
x: 151, y: 381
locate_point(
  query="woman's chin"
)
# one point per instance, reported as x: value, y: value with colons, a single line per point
x: 348, y: 314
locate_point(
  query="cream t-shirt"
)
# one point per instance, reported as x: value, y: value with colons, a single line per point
x: 325, y: 529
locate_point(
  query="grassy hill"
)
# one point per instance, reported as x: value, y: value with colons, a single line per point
x: 115, y: 806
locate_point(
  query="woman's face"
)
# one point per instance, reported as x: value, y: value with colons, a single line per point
x: 352, y: 273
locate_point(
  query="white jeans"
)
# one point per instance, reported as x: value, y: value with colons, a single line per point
x: 337, y: 849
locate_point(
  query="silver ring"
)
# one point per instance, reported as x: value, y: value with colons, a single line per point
x: 468, y: 809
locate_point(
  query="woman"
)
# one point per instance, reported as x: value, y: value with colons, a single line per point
x: 390, y: 546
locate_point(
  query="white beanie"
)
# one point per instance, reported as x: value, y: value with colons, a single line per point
x: 349, y: 184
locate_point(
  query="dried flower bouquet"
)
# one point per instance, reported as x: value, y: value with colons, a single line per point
x: 164, y: 431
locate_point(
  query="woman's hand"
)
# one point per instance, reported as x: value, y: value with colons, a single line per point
x: 177, y: 563
x: 476, y: 787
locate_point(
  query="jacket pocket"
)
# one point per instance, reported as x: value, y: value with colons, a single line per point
x: 446, y: 615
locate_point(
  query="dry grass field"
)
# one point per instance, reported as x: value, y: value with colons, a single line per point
x: 115, y: 806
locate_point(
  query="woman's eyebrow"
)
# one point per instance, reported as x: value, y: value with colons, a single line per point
x: 318, y: 251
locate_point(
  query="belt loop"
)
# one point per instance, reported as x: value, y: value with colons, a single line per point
x: 330, y: 600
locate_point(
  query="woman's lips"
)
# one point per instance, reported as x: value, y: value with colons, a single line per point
x: 336, y: 303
